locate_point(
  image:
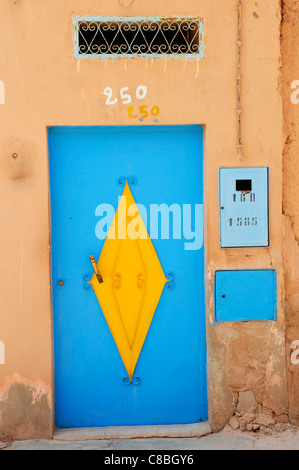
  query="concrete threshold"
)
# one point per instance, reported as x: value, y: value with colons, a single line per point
x: 133, y: 432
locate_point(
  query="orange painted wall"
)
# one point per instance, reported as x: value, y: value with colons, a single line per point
x: 46, y: 86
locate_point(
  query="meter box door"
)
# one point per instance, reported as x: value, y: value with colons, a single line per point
x: 244, y: 207
x: 248, y: 295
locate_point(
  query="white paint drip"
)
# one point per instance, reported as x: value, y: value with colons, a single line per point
x: 2, y: 93
x: 126, y: 3
x: 197, y: 69
x: 78, y: 66
x: 165, y: 65
x: 2, y: 353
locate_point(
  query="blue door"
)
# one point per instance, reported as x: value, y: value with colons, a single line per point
x: 90, y: 166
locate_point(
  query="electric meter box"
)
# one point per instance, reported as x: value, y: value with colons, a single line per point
x: 244, y: 207
x: 249, y: 295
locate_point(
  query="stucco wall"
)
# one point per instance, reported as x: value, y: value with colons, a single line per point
x: 45, y: 86
x: 290, y: 74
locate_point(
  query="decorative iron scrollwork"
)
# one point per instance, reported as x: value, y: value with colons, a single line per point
x: 145, y: 37
x: 87, y: 279
x: 140, y: 280
x: 132, y: 181
x: 116, y: 280
x: 170, y: 284
x: 135, y: 381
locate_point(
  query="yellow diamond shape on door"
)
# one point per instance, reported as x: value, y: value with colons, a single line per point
x: 133, y: 281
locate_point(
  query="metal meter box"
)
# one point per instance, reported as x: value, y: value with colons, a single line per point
x: 249, y: 295
x: 244, y: 207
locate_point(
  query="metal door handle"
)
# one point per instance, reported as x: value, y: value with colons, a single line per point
x: 96, y: 269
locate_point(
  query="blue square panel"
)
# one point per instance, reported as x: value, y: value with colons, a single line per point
x: 244, y: 208
x: 246, y: 295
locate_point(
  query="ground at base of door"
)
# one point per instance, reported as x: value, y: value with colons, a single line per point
x: 225, y: 440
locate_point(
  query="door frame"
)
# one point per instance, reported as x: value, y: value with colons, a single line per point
x: 142, y: 431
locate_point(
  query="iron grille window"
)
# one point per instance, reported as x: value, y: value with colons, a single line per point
x: 139, y: 37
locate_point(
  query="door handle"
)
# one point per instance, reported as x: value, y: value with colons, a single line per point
x: 96, y: 269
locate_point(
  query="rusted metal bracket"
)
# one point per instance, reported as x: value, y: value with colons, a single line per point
x: 96, y: 269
